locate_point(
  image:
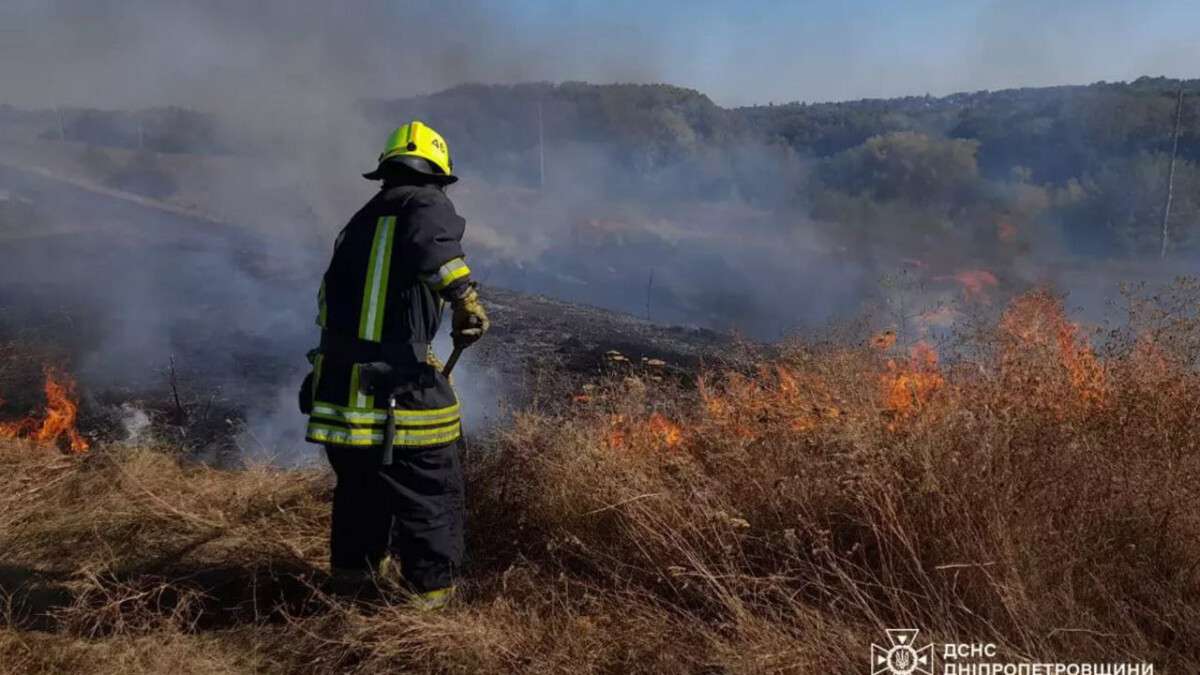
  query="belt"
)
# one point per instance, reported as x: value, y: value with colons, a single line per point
x: 387, y: 369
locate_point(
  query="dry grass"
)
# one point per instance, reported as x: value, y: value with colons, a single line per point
x: 1022, y: 489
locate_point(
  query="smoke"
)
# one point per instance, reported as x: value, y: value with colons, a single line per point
x: 135, y: 422
x: 728, y: 239
x: 278, y: 61
x: 283, y: 76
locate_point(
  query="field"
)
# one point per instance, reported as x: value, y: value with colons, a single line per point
x: 1023, y: 482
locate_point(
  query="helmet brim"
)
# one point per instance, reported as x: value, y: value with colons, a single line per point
x: 386, y: 165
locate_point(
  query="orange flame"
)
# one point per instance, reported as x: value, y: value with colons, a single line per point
x: 58, y: 417
x: 1038, y: 320
x: 909, y: 385
x: 744, y: 407
x: 657, y: 431
x: 666, y: 430
x: 616, y: 432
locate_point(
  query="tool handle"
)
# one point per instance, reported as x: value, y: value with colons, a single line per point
x: 450, y: 362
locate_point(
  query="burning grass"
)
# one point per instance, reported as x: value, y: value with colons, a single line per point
x: 1025, y: 488
x: 56, y: 424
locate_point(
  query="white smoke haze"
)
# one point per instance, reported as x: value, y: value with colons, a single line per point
x: 234, y: 303
x: 283, y: 60
x: 136, y: 424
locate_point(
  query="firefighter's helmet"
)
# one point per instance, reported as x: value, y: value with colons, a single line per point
x: 421, y: 149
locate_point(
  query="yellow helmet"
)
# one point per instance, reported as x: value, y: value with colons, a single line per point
x: 421, y: 149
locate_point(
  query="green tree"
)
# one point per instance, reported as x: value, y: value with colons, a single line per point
x: 906, y: 166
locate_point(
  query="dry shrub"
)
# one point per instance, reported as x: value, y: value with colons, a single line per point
x: 139, y: 507
x: 34, y: 653
x: 1037, y: 494
x: 131, y: 542
x: 1027, y: 488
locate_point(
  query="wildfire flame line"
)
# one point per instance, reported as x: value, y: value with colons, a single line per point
x: 657, y: 429
x: 57, y: 423
x: 1043, y: 359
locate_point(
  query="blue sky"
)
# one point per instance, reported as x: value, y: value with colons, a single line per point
x: 763, y: 50
x: 138, y: 52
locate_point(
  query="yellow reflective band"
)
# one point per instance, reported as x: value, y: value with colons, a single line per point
x: 373, y: 419
x: 432, y: 416
x: 415, y: 421
x: 322, y: 433
x: 427, y: 433
x: 349, y: 417
x: 320, y: 437
x: 370, y: 323
x: 365, y: 418
x: 329, y: 434
x: 409, y: 415
x: 356, y: 433
x: 447, y: 274
x: 362, y: 402
x: 414, y: 438
x: 377, y: 420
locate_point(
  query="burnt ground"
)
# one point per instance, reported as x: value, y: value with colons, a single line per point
x: 198, y: 328
x: 532, y: 332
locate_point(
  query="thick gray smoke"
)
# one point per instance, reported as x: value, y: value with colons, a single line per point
x: 231, y: 303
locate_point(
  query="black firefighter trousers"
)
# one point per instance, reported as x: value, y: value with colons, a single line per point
x: 413, y: 509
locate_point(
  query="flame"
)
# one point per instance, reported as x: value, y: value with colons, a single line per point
x: 909, y: 385
x: 656, y: 431
x: 1044, y: 362
x: 615, y: 438
x: 1037, y: 322
x: 745, y: 407
x: 667, y: 431
x: 57, y: 424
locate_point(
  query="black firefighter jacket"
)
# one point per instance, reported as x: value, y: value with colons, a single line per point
x: 382, y: 299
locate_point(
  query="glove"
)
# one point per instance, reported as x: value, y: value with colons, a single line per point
x: 432, y: 360
x: 469, y: 321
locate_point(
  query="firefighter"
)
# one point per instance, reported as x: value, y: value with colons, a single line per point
x: 395, y: 266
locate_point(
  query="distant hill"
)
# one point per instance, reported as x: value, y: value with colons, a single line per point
x: 1087, y: 164
x: 1058, y: 132
x: 1055, y: 131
